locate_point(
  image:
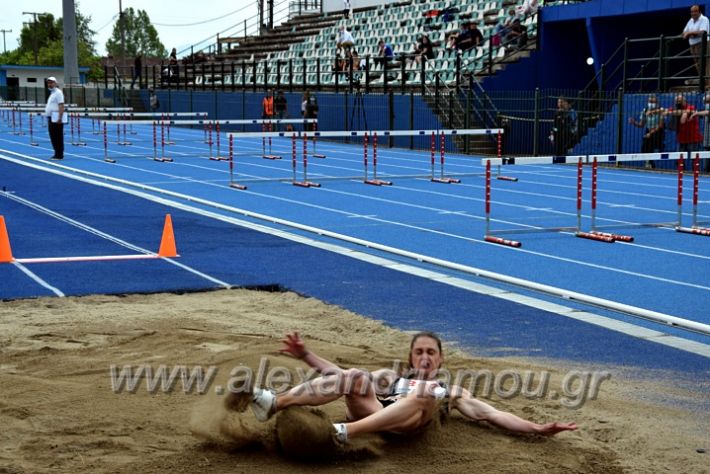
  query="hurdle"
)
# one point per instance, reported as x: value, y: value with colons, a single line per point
x: 305, y: 183
x: 270, y: 155
x: 365, y: 178
x: 487, y: 236
x: 694, y: 228
x: 315, y: 153
x: 106, y: 158
x: 374, y: 181
x: 74, y: 119
x: 442, y: 144
x: 597, y: 232
x: 232, y: 183
x: 31, y: 117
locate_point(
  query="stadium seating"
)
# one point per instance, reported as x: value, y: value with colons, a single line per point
x: 304, y: 47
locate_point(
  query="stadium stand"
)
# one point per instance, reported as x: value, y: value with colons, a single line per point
x: 302, y: 50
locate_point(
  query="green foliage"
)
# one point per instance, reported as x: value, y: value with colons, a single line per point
x: 46, y: 37
x: 140, y: 35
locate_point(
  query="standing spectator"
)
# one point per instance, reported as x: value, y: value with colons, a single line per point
x: 267, y: 111
x: 54, y: 111
x: 345, y: 39
x: 267, y: 105
x: 564, y: 130
x: 347, y: 9
x: 309, y: 109
x: 280, y: 108
x: 137, y: 71
x: 384, y: 52
x: 280, y: 105
x: 687, y: 126
x: 424, y: 49
x: 173, y: 62
x: 153, y: 100
x: 706, y: 129
x: 693, y: 32
x: 654, y: 135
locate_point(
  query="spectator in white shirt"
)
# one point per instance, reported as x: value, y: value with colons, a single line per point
x: 528, y: 8
x: 693, y: 32
x: 345, y: 39
x: 347, y: 8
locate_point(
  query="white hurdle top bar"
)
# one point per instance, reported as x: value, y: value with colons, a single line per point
x: 588, y: 159
x: 158, y: 121
x: 369, y: 133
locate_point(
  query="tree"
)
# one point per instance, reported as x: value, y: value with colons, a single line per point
x: 141, y: 36
x: 42, y: 43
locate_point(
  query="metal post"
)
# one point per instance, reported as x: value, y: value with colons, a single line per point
x: 318, y: 75
x: 403, y: 79
x: 423, y: 78
x: 626, y: 63
x: 290, y: 74
x: 661, y: 62
x: 411, y: 119
x: 536, y: 124
x: 620, y: 121
x: 703, y: 62
x: 367, y: 74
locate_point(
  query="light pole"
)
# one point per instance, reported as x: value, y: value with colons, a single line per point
x: 33, y: 28
x: 4, y: 47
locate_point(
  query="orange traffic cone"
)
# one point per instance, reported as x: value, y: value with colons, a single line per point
x: 167, y: 243
x: 5, y: 250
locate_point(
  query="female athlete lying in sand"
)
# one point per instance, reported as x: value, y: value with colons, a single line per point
x: 409, y: 404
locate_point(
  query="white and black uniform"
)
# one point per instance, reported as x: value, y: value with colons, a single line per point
x: 403, y: 386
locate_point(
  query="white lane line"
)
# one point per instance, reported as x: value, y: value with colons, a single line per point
x: 37, y: 279
x: 111, y: 238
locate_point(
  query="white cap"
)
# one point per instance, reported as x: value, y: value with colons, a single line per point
x: 52, y: 79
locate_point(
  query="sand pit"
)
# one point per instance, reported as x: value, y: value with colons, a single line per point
x: 59, y: 412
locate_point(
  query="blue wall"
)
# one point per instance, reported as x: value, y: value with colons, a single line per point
x: 336, y: 111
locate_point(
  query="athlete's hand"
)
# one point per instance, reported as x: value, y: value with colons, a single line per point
x: 294, y: 345
x: 551, y: 429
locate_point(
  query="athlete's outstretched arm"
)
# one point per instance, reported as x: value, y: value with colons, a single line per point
x: 294, y: 345
x: 477, y: 410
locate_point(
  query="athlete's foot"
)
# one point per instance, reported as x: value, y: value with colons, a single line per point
x: 341, y: 432
x: 263, y: 404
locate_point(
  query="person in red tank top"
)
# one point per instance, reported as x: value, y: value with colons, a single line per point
x: 687, y: 126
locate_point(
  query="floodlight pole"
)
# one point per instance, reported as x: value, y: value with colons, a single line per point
x: 4, y: 46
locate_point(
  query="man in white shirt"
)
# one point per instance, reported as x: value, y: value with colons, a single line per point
x: 693, y: 32
x: 54, y: 112
x: 345, y: 39
x: 347, y: 9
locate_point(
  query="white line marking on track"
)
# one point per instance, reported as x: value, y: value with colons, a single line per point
x: 39, y: 279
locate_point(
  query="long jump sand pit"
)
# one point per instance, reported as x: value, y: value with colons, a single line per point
x: 61, y: 411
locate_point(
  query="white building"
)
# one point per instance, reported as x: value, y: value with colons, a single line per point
x: 12, y: 76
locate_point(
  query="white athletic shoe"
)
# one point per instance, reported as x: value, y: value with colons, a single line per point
x: 263, y: 404
x: 341, y: 432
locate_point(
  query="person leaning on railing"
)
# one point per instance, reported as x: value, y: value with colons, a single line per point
x: 693, y: 32
x: 686, y: 125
